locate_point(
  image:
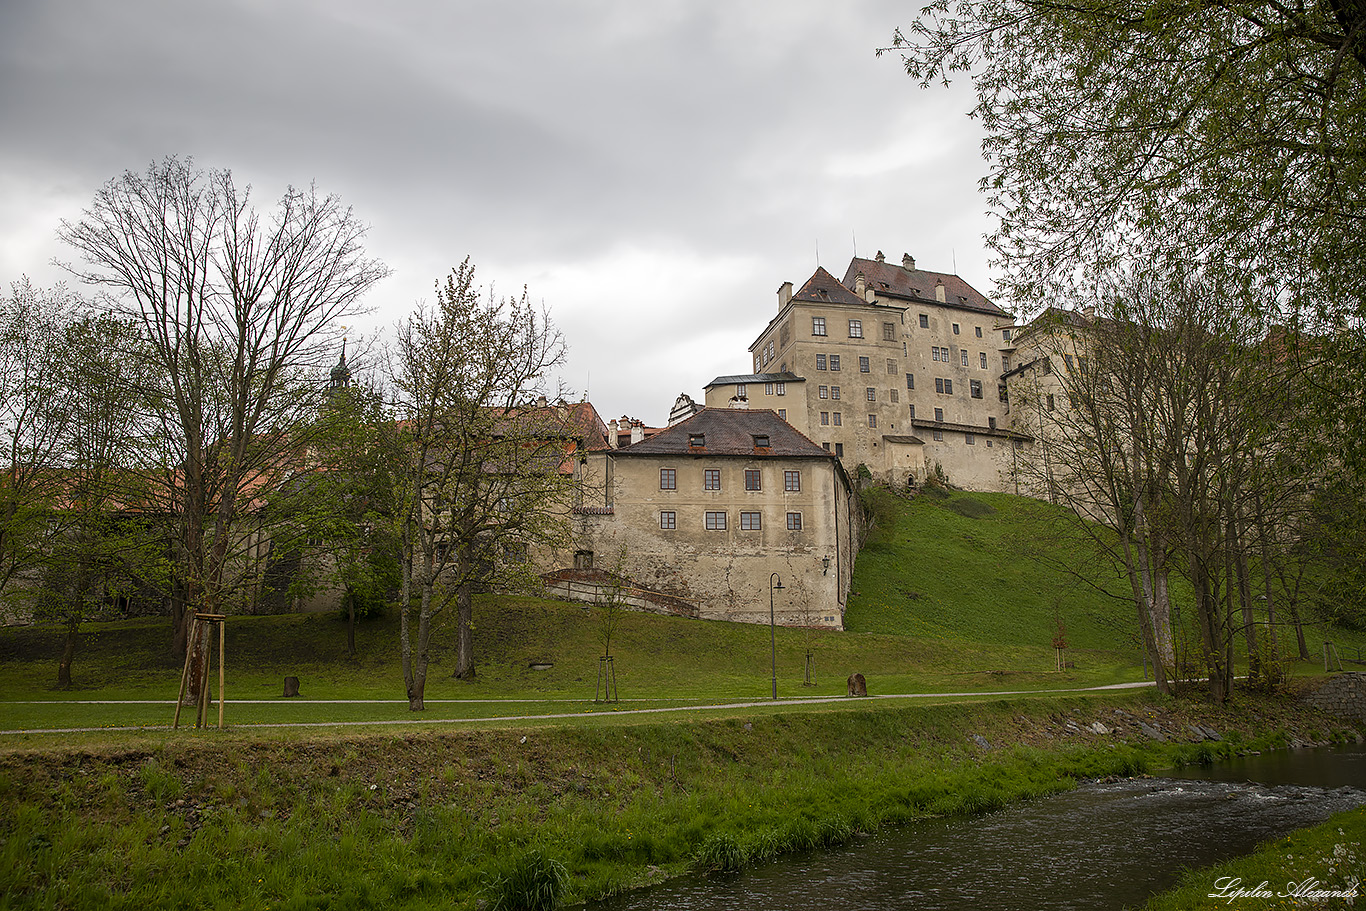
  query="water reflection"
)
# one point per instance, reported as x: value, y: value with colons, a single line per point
x: 1104, y: 845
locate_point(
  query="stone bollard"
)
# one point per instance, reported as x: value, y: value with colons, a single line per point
x: 857, y: 685
x: 291, y: 687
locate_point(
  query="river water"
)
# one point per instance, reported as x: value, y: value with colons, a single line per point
x: 1105, y: 845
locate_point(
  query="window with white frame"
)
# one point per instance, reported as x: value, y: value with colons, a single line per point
x: 818, y: 325
x: 856, y: 328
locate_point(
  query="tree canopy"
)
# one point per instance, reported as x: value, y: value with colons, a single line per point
x: 1227, y: 134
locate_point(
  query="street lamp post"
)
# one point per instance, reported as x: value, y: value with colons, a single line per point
x: 774, y: 584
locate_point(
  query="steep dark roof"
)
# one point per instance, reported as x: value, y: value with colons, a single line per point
x: 822, y: 288
x: 894, y: 281
x: 730, y: 431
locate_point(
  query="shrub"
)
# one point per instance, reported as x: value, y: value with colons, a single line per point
x: 532, y: 882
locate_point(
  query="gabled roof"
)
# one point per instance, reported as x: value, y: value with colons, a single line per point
x: 898, y: 283
x: 730, y: 432
x: 822, y: 288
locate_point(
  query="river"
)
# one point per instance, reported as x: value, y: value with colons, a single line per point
x: 1104, y: 845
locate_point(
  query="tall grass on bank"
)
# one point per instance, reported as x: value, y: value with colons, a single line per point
x: 432, y: 821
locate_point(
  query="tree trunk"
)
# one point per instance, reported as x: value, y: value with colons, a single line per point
x: 350, y: 623
x: 68, y: 654
x: 464, y: 661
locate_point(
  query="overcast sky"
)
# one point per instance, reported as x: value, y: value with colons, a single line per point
x: 652, y: 171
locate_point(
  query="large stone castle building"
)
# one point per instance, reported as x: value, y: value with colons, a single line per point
x: 895, y: 370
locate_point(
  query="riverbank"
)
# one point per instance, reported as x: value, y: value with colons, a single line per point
x: 441, y: 819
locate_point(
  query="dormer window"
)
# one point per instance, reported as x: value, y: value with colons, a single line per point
x: 697, y: 441
x: 761, y: 441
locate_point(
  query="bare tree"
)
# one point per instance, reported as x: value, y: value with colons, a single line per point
x: 486, y: 471
x: 241, y: 315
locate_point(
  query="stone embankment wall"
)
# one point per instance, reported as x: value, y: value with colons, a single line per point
x: 1343, y: 695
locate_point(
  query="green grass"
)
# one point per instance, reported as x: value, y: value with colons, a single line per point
x: 1330, y: 856
x: 442, y: 820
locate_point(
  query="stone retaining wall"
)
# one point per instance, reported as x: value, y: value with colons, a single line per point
x: 1343, y: 695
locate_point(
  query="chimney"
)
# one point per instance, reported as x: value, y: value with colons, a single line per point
x: 784, y: 294
x: 880, y: 258
x: 908, y: 262
x: 540, y: 401
x: 860, y: 284
x: 739, y: 403
x: 1089, y: 311
x: 637, y: 431
x: 612, y: 433
x: 939, y: 291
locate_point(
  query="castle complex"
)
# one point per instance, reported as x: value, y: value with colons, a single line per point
x: 894, y: 373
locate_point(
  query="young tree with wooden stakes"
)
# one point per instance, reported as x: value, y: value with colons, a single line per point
x: 241, y: 314
x: 485, y: 472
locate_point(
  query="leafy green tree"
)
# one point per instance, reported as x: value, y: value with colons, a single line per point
x: 483, y: 474
x: 1226, y: 135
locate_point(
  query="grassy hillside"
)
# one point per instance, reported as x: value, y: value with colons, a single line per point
x: 984, y: 568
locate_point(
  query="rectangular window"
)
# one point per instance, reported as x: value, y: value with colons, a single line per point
x: 818, y: 325
x: 780, y: 388
x: 937, y: 436
x: 794, y: 521
x: 1005, y: 363
x: 825, y: 418
x: 889, y: 332
x: 741, y: 390
x: 979, y: 331
x: 1047, y: 365
x: 1003, y: 395
x: 716, y: 521
x: 1067, y: 361
x: 939, y: 415
x: 1005, y: 334
x: 991, y: 423
x: 820, y: 362
x: 761, y: 440
x: 668, y: 520
x: 871, y: 393
x: 697, y: 441
x: 768, y: 388
x: 912, y: 407
x: 924, y: 321
x: 824, y: 392
x: 943, y: 386
x: 834, y: 362
x: 752, y: 479
x: 711, y: 479
x: 934, y: 352
x: 872, y: 421
x: 839, y: 450
x: 837, y: 418
x: 782, y: 413
x: 984, y: 360
x: 970, y: 439
x: 910, y: 381
x: 955, y: 328
x: 792, y: 481
x: 668, y: 479
x: 856, y: 328
x: 863, y: 365
x: 948, y: 387
x: 891, y: 366
x: 1050, y: 402
x: 896, y: 396
x: 834, y: 392
x: 749, y: 521
x: 1081, y: 364
x: 975, y: 388
x: 964, y: 354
